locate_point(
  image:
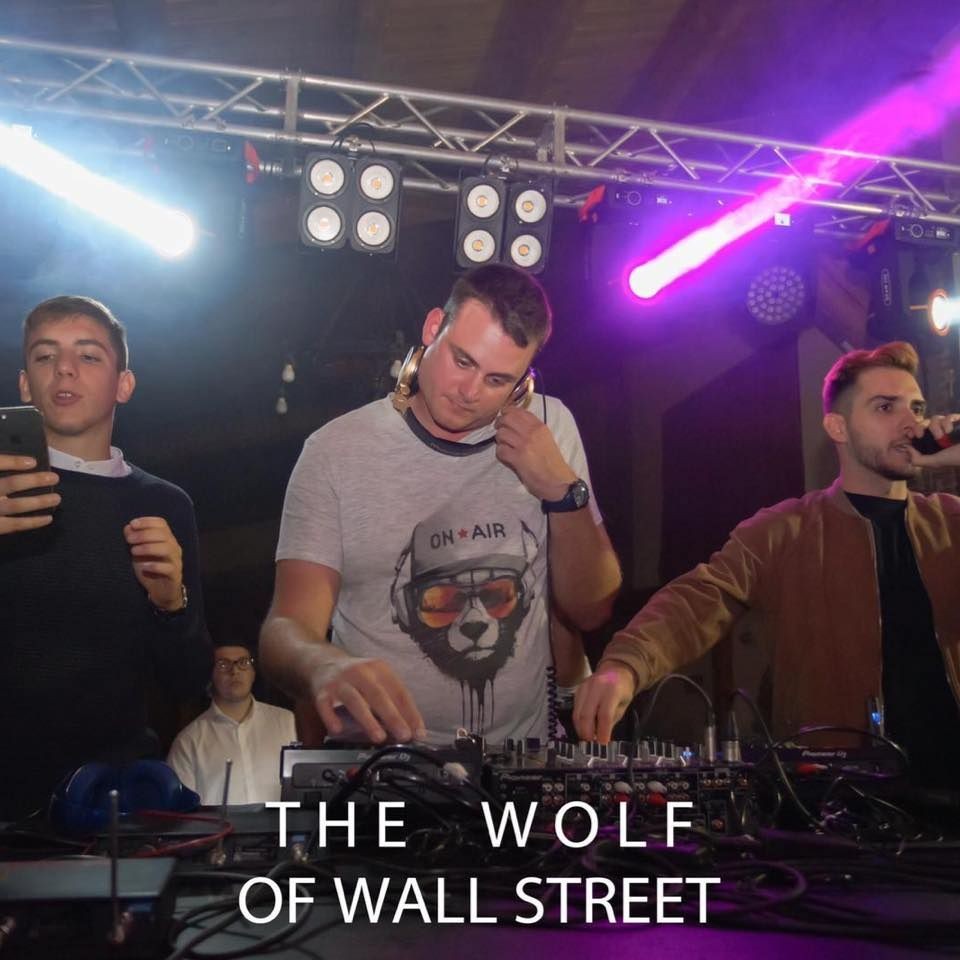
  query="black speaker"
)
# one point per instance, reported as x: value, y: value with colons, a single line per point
x: 906, y: 264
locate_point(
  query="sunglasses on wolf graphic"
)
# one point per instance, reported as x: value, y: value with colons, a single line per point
x: 440, y: 604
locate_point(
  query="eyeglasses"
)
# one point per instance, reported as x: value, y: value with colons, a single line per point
x: 442, y: 603
x: 241, y: 663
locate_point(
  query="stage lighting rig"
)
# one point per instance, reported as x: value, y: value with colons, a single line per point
x: 501, y: 223
x: 943, y: 312
x: 377, y: 206
x: 915, y: 270
x: 776, y: 295
x: 170, y: 232
x: 528, y: 222
x: 345, y: 199
x: 479, y: 228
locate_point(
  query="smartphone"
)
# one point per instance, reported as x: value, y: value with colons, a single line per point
x: 21, y: 434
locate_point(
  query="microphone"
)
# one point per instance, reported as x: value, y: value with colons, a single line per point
x: 928, y: 443
x: 730, y: 739
x: 709, y: 753
x: 217, y: 856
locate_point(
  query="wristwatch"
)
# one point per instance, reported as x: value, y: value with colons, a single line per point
x: 576, y: 498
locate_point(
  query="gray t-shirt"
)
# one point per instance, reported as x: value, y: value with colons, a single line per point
x: 442, y: 561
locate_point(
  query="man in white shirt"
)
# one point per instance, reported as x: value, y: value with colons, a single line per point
x: 236, y: 727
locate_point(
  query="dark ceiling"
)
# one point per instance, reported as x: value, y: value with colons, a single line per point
x: 787, y: 68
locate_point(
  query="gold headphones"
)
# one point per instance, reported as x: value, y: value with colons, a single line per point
x: 408, y: 372
x: 520, y: 396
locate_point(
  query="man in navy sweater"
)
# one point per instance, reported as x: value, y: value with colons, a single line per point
x: 99, y: 593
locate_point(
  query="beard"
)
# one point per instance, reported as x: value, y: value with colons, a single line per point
x: 890, y: 462
x: 450, y: 418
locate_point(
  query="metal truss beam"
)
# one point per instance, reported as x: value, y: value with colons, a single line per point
x: 441, y: 134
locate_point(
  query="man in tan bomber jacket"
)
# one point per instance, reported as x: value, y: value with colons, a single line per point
x: 856, y: 584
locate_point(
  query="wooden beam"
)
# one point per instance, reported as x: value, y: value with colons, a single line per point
x: 689, y: 51
x: 524, y: 40
x: 339, y: 35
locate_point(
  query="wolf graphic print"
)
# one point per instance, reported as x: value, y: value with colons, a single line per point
x: 462, y: 589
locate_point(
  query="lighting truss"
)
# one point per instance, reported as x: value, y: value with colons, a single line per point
x: 441, y: 135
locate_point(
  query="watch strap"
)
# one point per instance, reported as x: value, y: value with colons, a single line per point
x: 576, y: 498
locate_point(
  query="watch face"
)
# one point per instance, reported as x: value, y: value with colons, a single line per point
x: 576, y: 497
x: 580, y: 493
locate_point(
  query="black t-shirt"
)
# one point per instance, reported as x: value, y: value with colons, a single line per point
x: 920, y: 711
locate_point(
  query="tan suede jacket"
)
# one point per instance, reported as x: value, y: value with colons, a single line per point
x: 808, y: 568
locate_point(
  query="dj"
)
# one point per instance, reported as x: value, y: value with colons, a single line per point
x: 100, y: 593
x: 856, y: 585
x: 426, y: 539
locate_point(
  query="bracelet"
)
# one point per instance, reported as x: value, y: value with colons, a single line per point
x: 169, y: 614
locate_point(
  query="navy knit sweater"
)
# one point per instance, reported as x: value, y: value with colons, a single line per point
x: 80, y: 642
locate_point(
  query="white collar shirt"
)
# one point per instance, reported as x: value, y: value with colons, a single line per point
x: 201, y: 750
x: 116, y: 466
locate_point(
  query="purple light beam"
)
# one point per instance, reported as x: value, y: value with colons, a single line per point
x: 908, y: 113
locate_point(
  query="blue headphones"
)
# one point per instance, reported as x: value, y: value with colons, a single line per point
x: 81, y: 803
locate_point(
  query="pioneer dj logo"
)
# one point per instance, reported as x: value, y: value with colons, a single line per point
x: 886, y: 287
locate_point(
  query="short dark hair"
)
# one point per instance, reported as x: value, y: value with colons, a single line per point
x: 844, y: 373
x: 517, y: 301
x: 59, y: 308
x: 249, y: 647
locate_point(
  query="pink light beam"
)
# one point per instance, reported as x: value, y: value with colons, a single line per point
x: 905, y: 115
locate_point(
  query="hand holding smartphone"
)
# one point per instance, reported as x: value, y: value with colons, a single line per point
x: 26, y: 489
